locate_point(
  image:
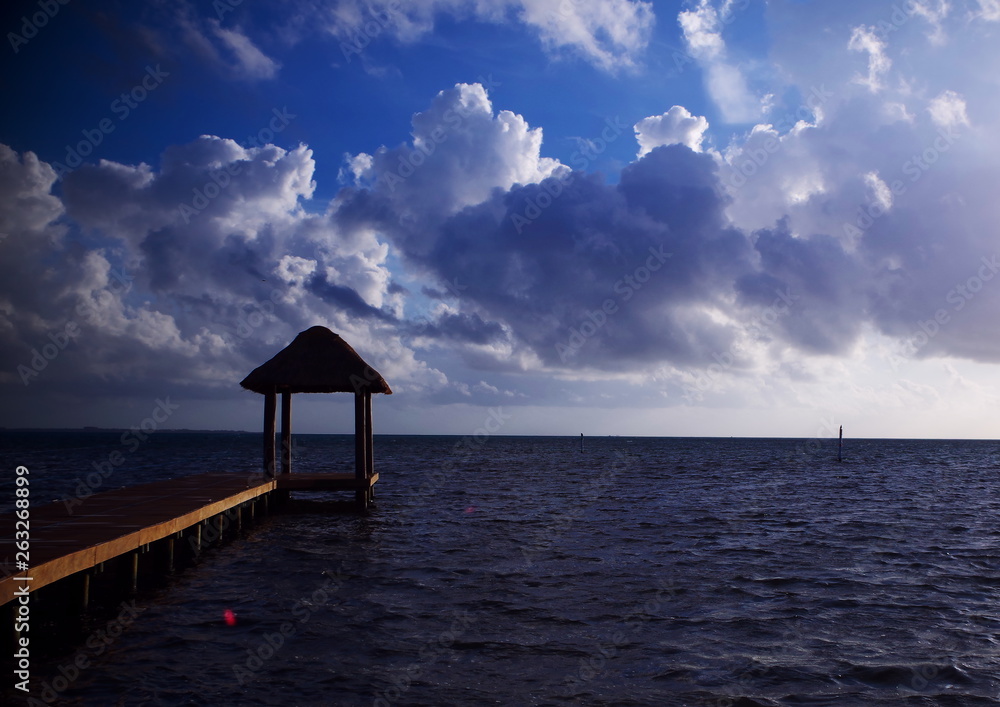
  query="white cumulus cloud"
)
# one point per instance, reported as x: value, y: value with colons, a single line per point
x: 675, y: 127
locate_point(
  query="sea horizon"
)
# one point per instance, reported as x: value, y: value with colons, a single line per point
x: 501, y: 436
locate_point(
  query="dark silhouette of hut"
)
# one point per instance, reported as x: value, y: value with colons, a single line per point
x: 318, y: 361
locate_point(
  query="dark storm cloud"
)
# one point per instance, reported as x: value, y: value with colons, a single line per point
x: 165, y: 280
x: 550, y: 260
x: 344, y: 298
x: 822, y: 288
x: 634, y: 260
x: 463, y: 328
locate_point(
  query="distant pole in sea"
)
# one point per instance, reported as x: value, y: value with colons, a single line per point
x: 581, y: 441
x: 840, y: 445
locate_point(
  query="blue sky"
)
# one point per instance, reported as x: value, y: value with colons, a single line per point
x: 710, y: 217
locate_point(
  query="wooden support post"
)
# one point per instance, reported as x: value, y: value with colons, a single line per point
x: 85, y: 599
x: 840, y: 445
x: 170, y: 555
x: 369, y: 444
x: 360, y: 445
x: 369, y: 449
x: 286, y: 441
x: 286, y: 432
x: 270, y: 403
x: 135, y: 572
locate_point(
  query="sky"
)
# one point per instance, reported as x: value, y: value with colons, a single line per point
x: 697, y: 218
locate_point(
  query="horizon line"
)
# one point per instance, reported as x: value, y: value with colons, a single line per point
x: 449, y: 434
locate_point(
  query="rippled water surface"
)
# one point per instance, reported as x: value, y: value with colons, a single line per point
x: 522, y: 571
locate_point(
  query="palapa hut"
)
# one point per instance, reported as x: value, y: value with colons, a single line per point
x: 318, y: 361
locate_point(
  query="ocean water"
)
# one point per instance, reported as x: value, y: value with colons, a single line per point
x: 522, y: 571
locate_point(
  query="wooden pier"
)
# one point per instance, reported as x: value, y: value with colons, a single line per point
x: 127, y: 521
x: 131, y: 522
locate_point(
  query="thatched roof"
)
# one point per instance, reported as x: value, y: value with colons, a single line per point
x: 317, y: 361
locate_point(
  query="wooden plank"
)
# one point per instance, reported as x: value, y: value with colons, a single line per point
x: 162, y: 530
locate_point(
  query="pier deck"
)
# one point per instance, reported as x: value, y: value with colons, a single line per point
x: 67, y: 539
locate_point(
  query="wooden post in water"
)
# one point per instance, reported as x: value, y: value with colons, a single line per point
x: 581, y: 441
x: 360, y: 447
x: 135, y: 572
x: 369, y: 446
x: 286, y: 432
x: 270, y: 403
x: 840, y: 445
x: 286, y: 441
x: 369, y: 442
